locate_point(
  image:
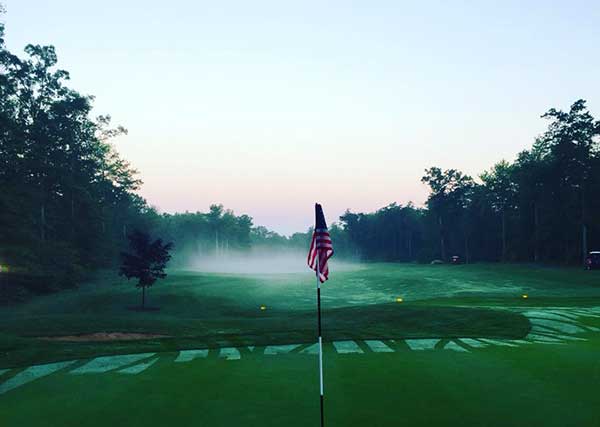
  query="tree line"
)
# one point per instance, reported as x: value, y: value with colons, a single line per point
x: 67, y: 198
x: 542, y: 207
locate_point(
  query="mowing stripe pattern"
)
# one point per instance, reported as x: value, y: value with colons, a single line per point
x: 552, y: 325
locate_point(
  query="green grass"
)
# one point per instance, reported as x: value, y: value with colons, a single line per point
x: 494, y: 386
x: 534, y: 386
x: 206, y: 310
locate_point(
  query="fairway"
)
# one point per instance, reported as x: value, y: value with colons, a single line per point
x: 463, y: 341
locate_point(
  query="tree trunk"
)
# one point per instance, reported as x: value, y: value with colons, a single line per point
x: 72, y: 217
x: 584, y: 248
x: 536, y: 233
x: 584, y: 242
x: 503, y: 235
x: 143, y: 297
x: 442, y: 242
x: 467, y: 256
x: 43, y: 222
x: 217, y: 243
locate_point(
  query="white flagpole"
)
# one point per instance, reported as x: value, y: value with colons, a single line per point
x: 320, y: 339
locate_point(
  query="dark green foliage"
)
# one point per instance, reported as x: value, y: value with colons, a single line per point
x: 66, y: 194
x: 544, y: 207
x: 393, y: 233
x: 146, y: 262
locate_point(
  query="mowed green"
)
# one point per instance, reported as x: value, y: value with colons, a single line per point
x: 492, y: 386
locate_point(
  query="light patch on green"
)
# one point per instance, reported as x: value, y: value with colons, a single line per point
x: 313, y: 349
x: 563, y: 327
x: 136, y: 369
x: 280, y: 349
x: 505, y: 343
x: 422, y: 344
x: 522, y: 342
x: 541, y: 339
x: 473, y: 343
x: 108, y: 363
x: 345, y: 347
x: 32, y: 373
x: 189, y: 355
x: 451, y: 345
x: 538, y: 314
x: 378, y: 346
x: 543, y: 330
x: 589, y: 312
x: 230, y: 353
x: 569, y: 338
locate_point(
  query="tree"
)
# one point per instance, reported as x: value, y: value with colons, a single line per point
x: 148, y: 261
x: 500, y: 185
x: 572, y: 142
x: 447, y: 200
x: 67, y: 197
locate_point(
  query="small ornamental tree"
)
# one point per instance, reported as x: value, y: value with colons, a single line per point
x: 146, y: 262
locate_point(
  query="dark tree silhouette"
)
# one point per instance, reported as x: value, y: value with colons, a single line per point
x: 147, y: 262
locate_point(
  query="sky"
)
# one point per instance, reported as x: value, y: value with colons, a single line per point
x: 270, y: 106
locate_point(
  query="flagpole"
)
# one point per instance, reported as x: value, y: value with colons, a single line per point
x: 320, y: 340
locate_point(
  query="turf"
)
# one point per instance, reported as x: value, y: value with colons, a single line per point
x: 494, y: 386
x: 208, y: 310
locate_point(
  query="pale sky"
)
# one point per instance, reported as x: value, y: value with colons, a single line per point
x: 267, y: 107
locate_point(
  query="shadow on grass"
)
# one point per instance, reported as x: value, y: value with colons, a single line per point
x: 142, y: 309
x: 273, y: 327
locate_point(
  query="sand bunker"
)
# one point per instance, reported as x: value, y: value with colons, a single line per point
x: 105, y: 336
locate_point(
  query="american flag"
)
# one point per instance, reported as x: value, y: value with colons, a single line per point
x: 320, y: 246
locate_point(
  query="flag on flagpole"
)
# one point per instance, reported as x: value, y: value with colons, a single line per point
x: 319, y: 253
x: 320, y: 246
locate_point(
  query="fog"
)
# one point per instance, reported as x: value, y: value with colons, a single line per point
x: 257, y: 261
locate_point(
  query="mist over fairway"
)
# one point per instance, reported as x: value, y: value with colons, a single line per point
x: 258, y: 261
